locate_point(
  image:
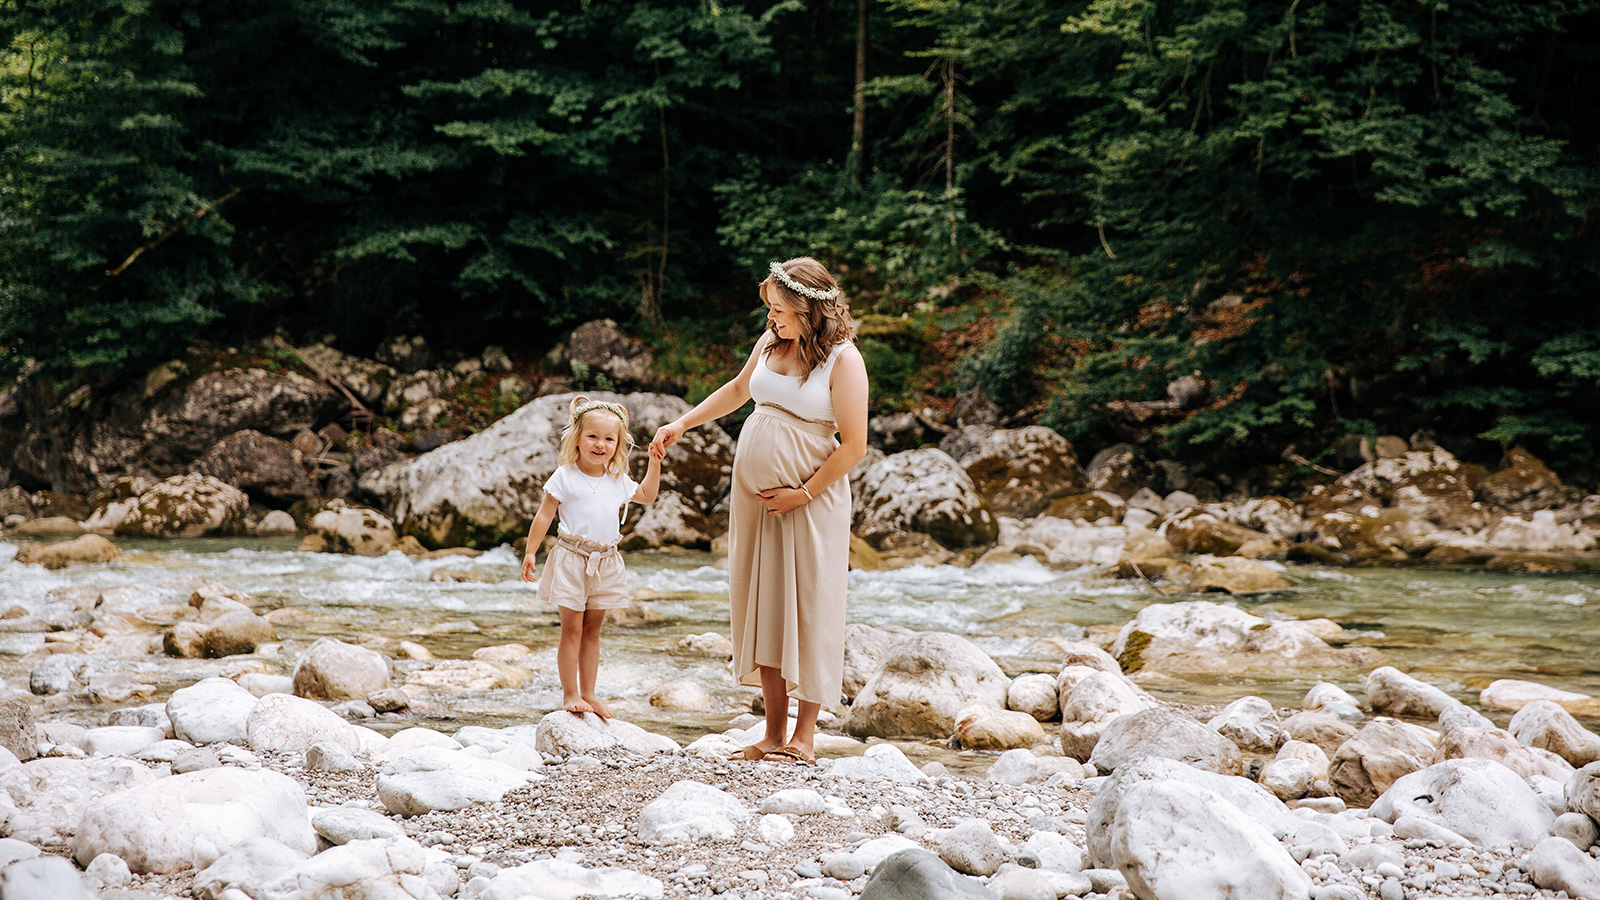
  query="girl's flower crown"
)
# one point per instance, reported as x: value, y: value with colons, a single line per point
x: 804, y: 291
x: 589, y: 406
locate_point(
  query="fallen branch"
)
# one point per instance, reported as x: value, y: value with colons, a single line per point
x: 183, y: 223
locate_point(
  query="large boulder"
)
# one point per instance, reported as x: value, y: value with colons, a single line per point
x: 924, y: 685
x: 1174, y: 840
x: 86, y: 550
x: 51, y: 795
x: 284, y: 723
x: 365, y: 378
x: 187, y: 821
x: 671, y: 521
x: 598, y: 348
x: 866, y: 649
x: 334, y: 670
x: 1019, y: 471
x: 561, y: 733
x: 923, y: 491
x: 187, y: 506
x: 211, y: 711
x: 1233, y: 575
x: 1481, y: 800
x: 1121, y: 469
x: 429, y: 778
x: 1377, y: 756
x: 123, y: 433
x: 1500, y: 746
x: 1198, y: 531
x: 266, y: 468
x: 1249, y: 798
x: 1164, y: 733
x: 1393, y: 692
x: 1523, y: 484
x: 485, y: 490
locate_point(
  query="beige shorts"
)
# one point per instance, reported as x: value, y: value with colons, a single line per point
x: 582, y: 574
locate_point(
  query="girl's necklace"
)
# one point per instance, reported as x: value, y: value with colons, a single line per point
x: 592, y: 480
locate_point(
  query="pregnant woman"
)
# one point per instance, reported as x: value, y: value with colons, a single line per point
x: 789, y: 523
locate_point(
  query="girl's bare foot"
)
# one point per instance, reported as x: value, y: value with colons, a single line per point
x: 580, y: 706
x: 598, y: 707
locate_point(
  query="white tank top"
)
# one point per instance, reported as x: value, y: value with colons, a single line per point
x: 812, y: 400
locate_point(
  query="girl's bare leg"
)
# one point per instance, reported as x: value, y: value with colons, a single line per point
x: 567, y: 660
x: 589, y: 661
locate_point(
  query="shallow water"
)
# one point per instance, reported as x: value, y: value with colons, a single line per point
x: 1458, y: 630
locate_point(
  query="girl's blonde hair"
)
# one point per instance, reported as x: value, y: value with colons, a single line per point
x: 583, y: 408
x: 824, y: 323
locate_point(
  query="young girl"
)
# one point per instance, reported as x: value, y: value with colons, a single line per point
x: 583, y: 574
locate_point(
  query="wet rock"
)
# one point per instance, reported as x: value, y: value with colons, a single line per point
x: 266, y: 468
x: 712, y: 643
x: 1197, y: 531
x: 1087, y: 507
x: 1171, y: 839
x: 86, y: 550
x: 334, y: 670
x: 561, y: 733
x: 1199, y: 637
x: 1019, y: 471
x: 987, y: 728
x: 1377, y: 756
x: 922, y: 491
x: 691, y: 811
x: 344, y: 528
x: 187, y: 506
x: 1035, y: 695
x: 1480, y: 800
x: 1163, y: 733
x: 680, y: 695
x: 187, y: 821
x: 437, y: 778
x: 924, y: 685
x: 47, y: 525
x: 1233, y: 575
x: 236, y: 633
x: 276, y: 523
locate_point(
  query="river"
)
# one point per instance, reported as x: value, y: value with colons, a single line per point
x: 1456, y: 629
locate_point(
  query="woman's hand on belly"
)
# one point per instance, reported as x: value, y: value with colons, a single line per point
x: 780, y: 500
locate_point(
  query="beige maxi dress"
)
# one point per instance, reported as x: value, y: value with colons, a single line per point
x: 788, y: 573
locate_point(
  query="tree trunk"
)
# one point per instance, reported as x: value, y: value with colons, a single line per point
x: 858, y: 129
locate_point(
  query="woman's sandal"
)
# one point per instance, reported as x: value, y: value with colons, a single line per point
x: 751, y: 753
x: 791, y: 754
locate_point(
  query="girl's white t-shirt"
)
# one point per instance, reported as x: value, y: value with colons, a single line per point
x: 590, y: 507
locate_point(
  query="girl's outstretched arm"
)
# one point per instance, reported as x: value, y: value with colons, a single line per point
x: 536, y: 533
x: 651, y: 485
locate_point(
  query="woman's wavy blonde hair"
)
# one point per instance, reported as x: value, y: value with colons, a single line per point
x: 824, y: 324
x: 582, y: 409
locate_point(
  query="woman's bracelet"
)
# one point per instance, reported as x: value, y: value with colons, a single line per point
x: 807, y: 490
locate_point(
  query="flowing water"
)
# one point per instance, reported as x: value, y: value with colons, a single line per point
x: 1458, y: 630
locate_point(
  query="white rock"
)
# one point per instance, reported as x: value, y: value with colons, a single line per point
x: 1395, y: 693
x: 374, y: 869
x: 1251, y: 723
x: 1017, y: 883
x: 926, y: 491
x: 986, y: 728
x: 1250, y: 798
x: 1333, y: 700
x: 343, y: 824
x: 1507, y: 693
x: 1582, y: 792
x: 1035, y: 695
x: 1548, y: 726
x: 1288, y: 779
x: 794, y: 802
x: 43, y: 878
x: 1578, y: 828
x: 554, y: 879
x: 972, y: 848
x: 881, y: 762
x: 1092, y: 699
x: 187, y: 821
x: 928, y: 679
x: 1384, y: 749
x: 407, y: 739
x: 1163, y: 732
x: 680, y: 694
x: 1054, y: 851
x: 429, y: 778
x: 775, y: 829
x: 212, y: 711
x: 1171, y: 839
x: 12, y: 849
x: 334, y: 670
x: 108, y: 870
x: 288, y: 724
x: 1022, y: 766
x: 1480, y: 800
x: 689, y: 810
x: 52, y: 794
x: 1556, y: 865
x: 328, y: 756
x: 260, y: 684
x: 121, y: 740
x: 252, y: 862
x: 879, y: 849
x: 561, y: 733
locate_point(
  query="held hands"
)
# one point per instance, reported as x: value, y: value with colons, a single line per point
x: 666, y: 436
x: 780, y: 500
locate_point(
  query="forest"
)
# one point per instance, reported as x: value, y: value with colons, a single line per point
x: 1303, y: 220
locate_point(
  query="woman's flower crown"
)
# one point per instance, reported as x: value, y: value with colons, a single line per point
x: 804, y: 291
